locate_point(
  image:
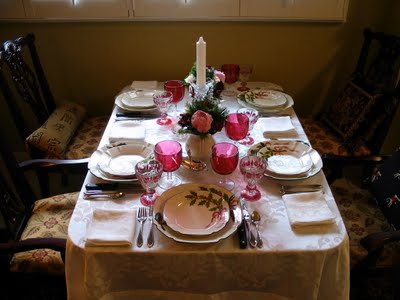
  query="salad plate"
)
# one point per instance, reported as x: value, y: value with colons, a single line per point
x: 184, y: 214
x: 265, y: 100
x: 288, y: 159
x: 231, y: 215
x: 116, y: 162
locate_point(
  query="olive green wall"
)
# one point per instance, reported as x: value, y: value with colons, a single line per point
x: 90, y: 62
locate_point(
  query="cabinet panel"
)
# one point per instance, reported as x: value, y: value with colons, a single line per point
x: 186, y: 8
x: 295, y: 9
x: 12, y: 9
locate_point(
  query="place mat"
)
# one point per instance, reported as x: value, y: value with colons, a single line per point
x: 305, y: 209
x: 111, y: 228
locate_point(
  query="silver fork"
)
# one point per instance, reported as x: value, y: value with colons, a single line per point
x: 150, y: 238
x: 142, y: 217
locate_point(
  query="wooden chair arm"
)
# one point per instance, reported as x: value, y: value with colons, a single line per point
x: 52, y: 165
x: 377, y: 240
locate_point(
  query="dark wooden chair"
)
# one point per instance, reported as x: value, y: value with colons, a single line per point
x: 33, y: 241
x: 49, y: 128
x: 357, y: 122
x: 371, y: 213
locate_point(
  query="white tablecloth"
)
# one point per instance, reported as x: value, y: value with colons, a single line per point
x: 306, y: 263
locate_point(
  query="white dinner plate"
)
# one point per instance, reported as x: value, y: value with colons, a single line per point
x: 130, y: 101
x: 272, y: 108
x: 94, y: 168
x: 288, y: 159
x: 234, y: 220
x: 121, y: 160
x: 194, y: 212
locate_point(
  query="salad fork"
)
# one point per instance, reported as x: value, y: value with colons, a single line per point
x: 142, y: 217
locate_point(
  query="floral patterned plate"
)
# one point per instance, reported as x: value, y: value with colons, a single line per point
x: 221, y: 231
x: 136, y: 100
x: 265, y: 100
x: 288, y: 159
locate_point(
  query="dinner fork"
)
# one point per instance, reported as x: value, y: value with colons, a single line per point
x: 142, y: 217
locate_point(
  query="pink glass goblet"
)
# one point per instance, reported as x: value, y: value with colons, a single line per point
x: 169, y: 153
x: 162, y: 99
x: 253, y: 116
x: 244, y: 76
x: 177, y: 88
x: 252, y: 168
x: 236, y: 128
x: 224, y: 160
x: 231, y: 72
x: 149, y: 173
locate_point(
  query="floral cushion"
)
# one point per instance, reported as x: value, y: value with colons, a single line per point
x: 87, y: 138
x: 362, y: 216
x: 50, y: 218
x: 385, y: 187
x: 325, y: 141
x: 54, y: 135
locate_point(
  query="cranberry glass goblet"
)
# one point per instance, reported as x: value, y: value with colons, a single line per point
x: 224, y: 160
x: 252, y: 168
x: 253, y: 116
x: 236, y: 128
x: 149, y: 173
x: 244, y: 76
x: 177, y: 88
x: 162, y: 99
x: 169, y: 153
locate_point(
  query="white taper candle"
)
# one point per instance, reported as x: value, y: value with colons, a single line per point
x: 201, y: 62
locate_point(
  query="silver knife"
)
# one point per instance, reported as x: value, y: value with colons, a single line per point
x: 150, y: 238
x: 246, y: 217
x: 290, y: 189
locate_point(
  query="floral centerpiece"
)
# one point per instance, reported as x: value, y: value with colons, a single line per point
x: 212, y: 74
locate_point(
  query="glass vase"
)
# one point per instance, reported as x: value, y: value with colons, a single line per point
x: 200, y: 146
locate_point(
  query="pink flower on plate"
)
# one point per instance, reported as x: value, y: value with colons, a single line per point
x: 201, y: 121
x: 220, y: 75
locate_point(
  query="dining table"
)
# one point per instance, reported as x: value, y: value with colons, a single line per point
x: 295, y: 262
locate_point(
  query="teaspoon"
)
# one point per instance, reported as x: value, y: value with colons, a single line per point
x: 256, y: 218
x: 159, y: 218
x: 103, y: 195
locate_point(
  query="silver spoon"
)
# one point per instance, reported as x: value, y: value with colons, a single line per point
x: 256, y: 218
x: 115, y: 195
x: 159, y: 218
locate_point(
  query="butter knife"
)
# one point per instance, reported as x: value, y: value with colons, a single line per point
x: 247, y: 221
x: 150, y: 238
x: 305, y: 188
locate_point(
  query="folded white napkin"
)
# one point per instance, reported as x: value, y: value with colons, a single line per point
x: 127, y: 131
x: 306, y: 209
x: 144, y: 85
x: 111, y: 228
x: 277, y: 127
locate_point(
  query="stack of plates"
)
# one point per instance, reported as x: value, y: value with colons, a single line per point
x: 136, y: 100
x: 197, y: 213
x: 288, y: 159
x: 265, y: 100
x: 116, y: 162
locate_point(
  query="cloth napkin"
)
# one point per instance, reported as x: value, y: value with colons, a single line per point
x: 277, y: 127
x: 306, y: 209
x: 125, y: 131
x: 150, y: 85
x: 111, y: 228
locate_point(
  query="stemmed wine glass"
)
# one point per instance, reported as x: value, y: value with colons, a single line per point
x: 224, y: 160
x: 169, y: 153
x: 244, y: 76
x: 237, y: 127
x: 149, y: 173
x: 177, y: 88
x: 252, y: 168
x: 162, y: 99
x: 253, y: 116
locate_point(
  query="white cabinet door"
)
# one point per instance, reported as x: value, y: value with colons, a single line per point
x: 12, y: 9
x: 318, y: 10
x: 186, y: 8
x: 77, y: 9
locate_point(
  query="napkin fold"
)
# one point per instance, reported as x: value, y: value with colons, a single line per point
x: 305, y: 209
x: 277, y: 127
x: 144, y: 85
x: 111, y: 228
x: 125, y: 131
